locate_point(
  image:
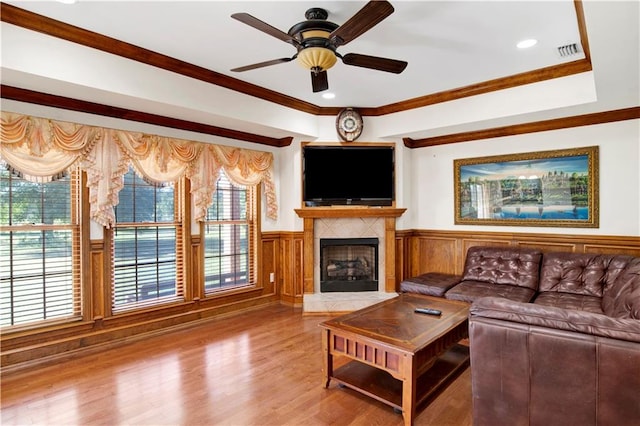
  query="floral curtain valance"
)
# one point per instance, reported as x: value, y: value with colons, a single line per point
x: 41, y: 149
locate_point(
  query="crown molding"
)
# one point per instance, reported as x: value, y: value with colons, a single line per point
x: 42, y: 24
x: 29, y: 96
x: 39, y: 98
x: 532, y: 127
x: 529, y: 77
x: 35, y: 22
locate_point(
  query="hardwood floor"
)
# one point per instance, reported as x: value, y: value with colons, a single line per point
x: 258, y: 367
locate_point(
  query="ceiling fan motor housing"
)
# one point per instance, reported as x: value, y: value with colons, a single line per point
x: 315, y: 31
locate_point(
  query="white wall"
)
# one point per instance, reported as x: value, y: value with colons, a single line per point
x: 288, y: 190
x: 432, y: 193
x: 424, y: 176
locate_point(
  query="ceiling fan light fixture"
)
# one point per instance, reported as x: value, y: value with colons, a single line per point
x: 316, y: 58
x: 317, y: 39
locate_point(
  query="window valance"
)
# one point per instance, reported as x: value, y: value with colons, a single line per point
x: 41, y: 148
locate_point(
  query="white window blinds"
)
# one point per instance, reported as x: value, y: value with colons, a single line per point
x: 147, y: 245
x: 39, y: 250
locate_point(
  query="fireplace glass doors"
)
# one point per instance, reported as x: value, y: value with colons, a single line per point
x: 348, y: 264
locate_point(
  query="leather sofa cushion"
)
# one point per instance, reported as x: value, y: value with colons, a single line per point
x: 580, y: 273
x: 468, y: 291
x: 578, y: 302
x: 431, y: 283
x: 551, y: 317
x: 503, y: 265
x: 622, y: 299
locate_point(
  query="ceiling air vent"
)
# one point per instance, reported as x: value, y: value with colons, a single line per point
x: 568, y: 50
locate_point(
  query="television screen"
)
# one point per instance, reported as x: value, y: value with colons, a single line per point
x: 348, y: 175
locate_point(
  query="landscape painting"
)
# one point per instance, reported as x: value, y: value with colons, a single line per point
x: 547, y: 188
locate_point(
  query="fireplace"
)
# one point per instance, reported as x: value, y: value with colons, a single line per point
x: 348, y: 264
x: 348, y: 223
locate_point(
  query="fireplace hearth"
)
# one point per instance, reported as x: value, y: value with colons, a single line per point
x: 348, y: 264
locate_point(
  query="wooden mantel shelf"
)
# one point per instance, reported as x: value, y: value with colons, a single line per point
x: 339, y: 212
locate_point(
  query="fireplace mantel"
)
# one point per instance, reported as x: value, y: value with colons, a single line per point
x: 338, y: 212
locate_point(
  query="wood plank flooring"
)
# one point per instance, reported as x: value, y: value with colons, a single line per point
x: 258, y: 367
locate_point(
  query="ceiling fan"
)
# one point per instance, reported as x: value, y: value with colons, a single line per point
x: 317, y: 39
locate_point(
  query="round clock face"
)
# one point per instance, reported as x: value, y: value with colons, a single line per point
x: 349, y: 124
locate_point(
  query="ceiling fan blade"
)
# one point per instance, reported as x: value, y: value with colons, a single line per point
x: 365, y: 19
x: 374, y: 62
x: 254, y: 22
x: 262, y: 64
x: 319, y: 81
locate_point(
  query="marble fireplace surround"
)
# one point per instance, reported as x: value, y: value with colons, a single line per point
x: 347, y: 222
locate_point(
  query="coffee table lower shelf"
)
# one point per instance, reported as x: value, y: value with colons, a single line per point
x: 381, y: 385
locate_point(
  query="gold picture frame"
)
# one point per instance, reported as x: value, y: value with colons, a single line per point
x: 547, y: 188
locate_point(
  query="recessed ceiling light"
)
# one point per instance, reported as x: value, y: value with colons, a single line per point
x: 328, y: 95
x: 527, y: 43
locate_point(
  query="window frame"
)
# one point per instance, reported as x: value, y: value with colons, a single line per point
x: 76, y: 270
x: 178, y: 225
x: 252, y: 221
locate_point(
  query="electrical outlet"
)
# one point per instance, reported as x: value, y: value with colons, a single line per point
x: 272, y: 277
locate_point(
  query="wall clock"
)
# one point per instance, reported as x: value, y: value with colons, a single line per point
x: 349, y: 124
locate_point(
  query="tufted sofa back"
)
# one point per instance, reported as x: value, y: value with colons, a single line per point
x: 580, y: 273
x: 622, y: 299
x: 500, y: 265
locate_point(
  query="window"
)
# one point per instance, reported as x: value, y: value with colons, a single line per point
x: 147, y: 245
x: 230, y: 233
x: 39, y: 250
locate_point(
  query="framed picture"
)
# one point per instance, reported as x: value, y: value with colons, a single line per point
x: 547, y: 188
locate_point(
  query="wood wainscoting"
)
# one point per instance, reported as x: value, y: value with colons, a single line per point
x: 288, y: 260
x: 420, y: 251
x: 280, y: 253
x: 445, y: 251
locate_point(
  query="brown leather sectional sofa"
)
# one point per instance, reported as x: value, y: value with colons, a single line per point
x: 554, y: 337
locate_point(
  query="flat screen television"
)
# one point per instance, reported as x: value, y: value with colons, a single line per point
x: 348, y: 175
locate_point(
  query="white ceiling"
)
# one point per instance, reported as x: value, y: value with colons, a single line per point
x: 448, y: 44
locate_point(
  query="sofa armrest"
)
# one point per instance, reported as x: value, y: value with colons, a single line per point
x: 557, y: 318
x: 542, y: 365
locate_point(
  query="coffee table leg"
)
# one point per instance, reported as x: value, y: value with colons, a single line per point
x: 327, y: 358
x: 409, y: 389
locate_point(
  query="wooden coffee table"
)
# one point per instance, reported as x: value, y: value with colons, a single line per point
x: 395, y: 355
